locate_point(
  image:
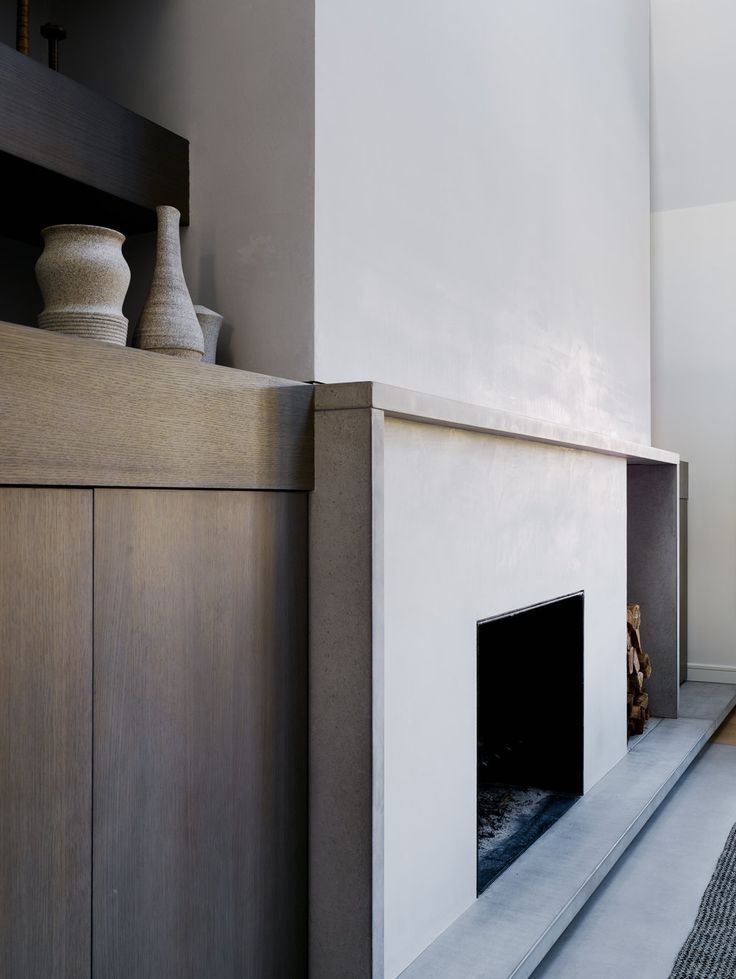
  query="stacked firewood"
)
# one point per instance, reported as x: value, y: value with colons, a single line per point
x: 639, y: 668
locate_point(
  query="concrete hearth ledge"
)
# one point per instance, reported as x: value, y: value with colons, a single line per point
x: 415, y: 406
x: 510, y: 928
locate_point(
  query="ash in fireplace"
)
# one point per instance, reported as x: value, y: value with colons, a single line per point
x: 510, y: 819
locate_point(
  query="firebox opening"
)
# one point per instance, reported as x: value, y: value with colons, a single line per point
x: 530, y: 727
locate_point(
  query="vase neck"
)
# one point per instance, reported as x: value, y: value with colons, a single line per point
x: 168, y: 246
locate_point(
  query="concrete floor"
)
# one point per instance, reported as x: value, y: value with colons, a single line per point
x: 639, y: 917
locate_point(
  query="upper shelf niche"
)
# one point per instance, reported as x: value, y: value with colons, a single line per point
x: 69, y: 155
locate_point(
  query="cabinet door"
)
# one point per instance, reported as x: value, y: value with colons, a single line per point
x: 200, y: 734
x: 45, y: 732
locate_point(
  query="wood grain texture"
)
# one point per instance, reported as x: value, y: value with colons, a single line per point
x: 200, y: 735
x: 45, y: 732
x: 85, y: 413
x: 101, y: 163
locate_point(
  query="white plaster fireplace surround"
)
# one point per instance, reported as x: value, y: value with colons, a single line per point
x: 428, y: 516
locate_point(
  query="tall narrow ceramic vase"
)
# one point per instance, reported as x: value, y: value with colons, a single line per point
x: 83, y: 278
x: 210, y: 321
x: 168, y: 323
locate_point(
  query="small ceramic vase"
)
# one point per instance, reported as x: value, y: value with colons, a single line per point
x: 83, y: 278
x: 210, y: 321
x: 168, y: 323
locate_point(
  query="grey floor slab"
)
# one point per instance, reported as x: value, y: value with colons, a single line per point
x: 711, y: 700
x: 637, y: 920
x: 509, y: 929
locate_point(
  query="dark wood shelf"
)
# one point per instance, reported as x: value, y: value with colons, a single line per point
x: 70, y: 155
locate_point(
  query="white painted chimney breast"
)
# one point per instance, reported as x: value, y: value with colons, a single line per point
x: 482, y: 204
x: 476, y: 526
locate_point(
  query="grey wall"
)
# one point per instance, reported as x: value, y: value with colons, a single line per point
x: 693, y: 101
x: 694, y: 300
x: 482, y: 203
x: 236, y: 78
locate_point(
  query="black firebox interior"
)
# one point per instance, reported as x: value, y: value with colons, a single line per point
x: 530, y: 727
x: 530, y: 697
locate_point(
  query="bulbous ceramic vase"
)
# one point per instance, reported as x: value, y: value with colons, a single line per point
x: 83, y: 278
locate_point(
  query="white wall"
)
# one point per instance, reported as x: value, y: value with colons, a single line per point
x: 475, y: 526
x: 237, y: 79
x: 694, y: 300
x: 693, y: 103
x: 482, y: 201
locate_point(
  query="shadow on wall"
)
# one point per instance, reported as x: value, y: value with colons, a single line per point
x: 140, y: 254
x: 204, y: 292
x: 125, y: 50
x: 21, y: 297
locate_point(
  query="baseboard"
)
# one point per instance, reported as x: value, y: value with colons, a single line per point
x: 708, y: 673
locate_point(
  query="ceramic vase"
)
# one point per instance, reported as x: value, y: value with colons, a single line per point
x: 210, y: 322
x: 168, y: 323
x: 83, y: 278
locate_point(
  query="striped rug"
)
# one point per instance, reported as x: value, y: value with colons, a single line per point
x: 710, y: 949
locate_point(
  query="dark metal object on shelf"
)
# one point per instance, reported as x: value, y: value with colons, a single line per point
x: 54, y: 33
x: 22, y: 42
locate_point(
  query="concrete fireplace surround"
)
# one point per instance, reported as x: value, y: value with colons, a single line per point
x: 429, y: 515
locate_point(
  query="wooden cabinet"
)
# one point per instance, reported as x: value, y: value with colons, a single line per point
x: 45, y: 732
x: 153, y: 689
x: 200, y: 718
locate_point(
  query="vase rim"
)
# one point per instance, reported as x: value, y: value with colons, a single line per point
x: 83, y: 227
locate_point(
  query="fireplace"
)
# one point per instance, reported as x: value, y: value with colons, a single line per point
x: 425, y: 521
x: 529, y: 727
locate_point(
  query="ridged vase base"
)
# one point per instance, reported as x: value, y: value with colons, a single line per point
x: 89, y: 326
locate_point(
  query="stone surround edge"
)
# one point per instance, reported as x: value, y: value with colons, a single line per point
x: 430, y: 409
